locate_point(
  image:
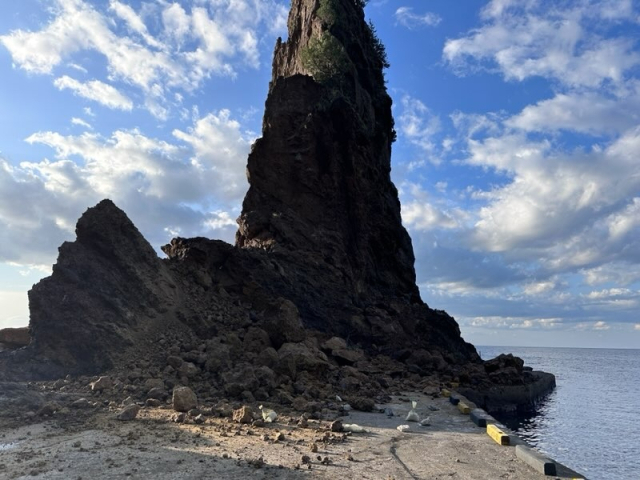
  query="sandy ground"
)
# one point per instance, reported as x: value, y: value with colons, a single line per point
x: 97, y: 446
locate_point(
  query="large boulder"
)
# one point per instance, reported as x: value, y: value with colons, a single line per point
x: 283, y: 323
x: 184, y: 399
x: 298, y: 357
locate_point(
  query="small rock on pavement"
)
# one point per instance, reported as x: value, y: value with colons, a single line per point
x: 243, y: 415
x: 103, y: 383
x: 153, y: 403
x: 128, y: 413
x: 336, y: 426
x: 184, y: 399
x: 363, y: 404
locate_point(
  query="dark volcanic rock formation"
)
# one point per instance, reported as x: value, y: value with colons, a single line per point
x: 105, y: 291
x: 320, y: 286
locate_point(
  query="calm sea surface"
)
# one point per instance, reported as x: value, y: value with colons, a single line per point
x: 591, y: 422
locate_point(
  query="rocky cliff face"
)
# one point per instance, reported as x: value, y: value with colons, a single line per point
x: 321, y: 283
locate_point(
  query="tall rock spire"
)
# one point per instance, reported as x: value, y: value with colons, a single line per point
x: 320, y: 175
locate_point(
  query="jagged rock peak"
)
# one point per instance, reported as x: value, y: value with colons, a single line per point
x: 334, y: 27
x: 107, y: 229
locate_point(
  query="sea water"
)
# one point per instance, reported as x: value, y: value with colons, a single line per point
x: 590, y: 422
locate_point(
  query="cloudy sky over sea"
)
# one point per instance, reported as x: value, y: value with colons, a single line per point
x: 517, y: 160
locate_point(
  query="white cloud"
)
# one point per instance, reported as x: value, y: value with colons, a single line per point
x: 419, y: 125
x: 622, y: 223
x: 220, y: 219
x: 406, y: 18
x: 190, y: 47
x: 81, y: 123
x: 177, y: 23
x: 97, y: 91
x: 68, y: 33
x: 617, y: 272
x: 495, y: 8
x: 606, y: 9
x: 213, y: 46
x: 420, y: 212
x: 508, y: 322
x: 28, y: 228
x: 78, y: 68
x: 524, y: 39
x: 220, y: 152
x: 425, y: 216
x: 636, y: 327
x: 539, y: 288
x: 585, y: 112
x: 600, y: 325
x: 135, y: 23
x: 608, y: 293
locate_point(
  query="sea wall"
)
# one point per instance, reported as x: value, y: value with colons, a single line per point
x: 512, y: 398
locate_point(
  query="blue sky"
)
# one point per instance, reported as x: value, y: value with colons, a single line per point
x: 517, y: 160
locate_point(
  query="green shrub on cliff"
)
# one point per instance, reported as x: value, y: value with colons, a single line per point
x: 327, y: 12
x: 378, y: 46
x: 325, y: 57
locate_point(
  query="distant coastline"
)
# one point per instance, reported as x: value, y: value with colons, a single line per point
x: 508, y: 349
